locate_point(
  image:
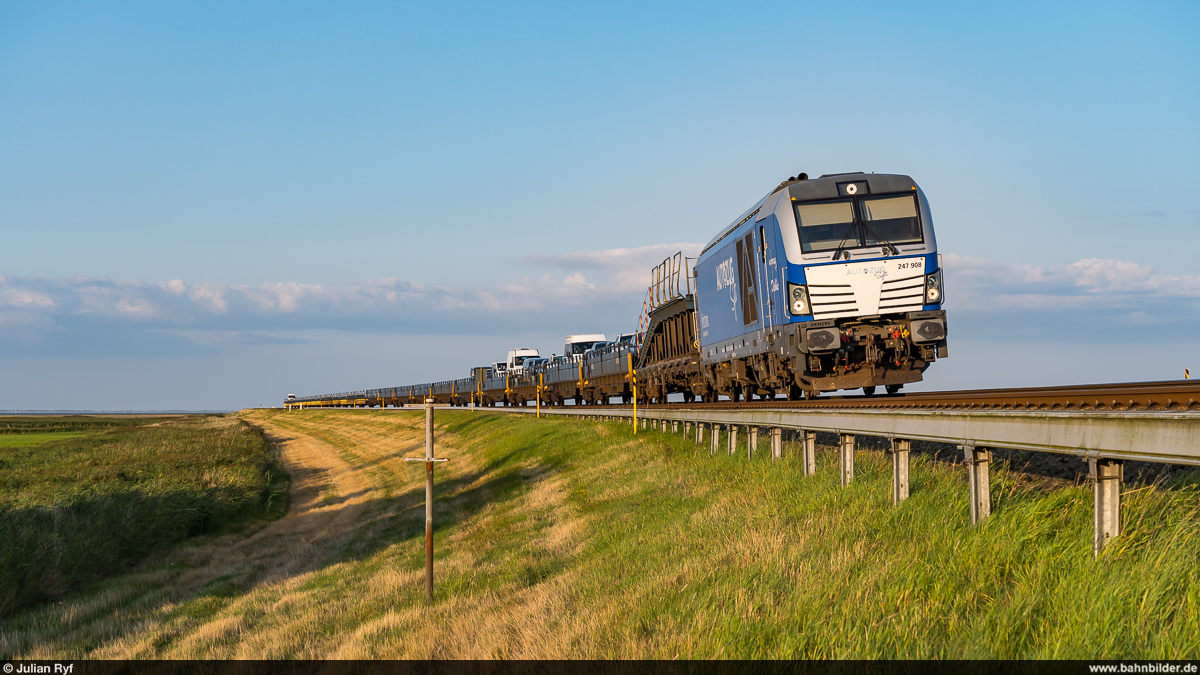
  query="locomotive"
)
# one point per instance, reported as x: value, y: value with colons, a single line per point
x: 825, y: 284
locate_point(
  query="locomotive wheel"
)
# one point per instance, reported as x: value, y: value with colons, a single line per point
x: 893, y: 388
x: 869, y: 391
x: 811, y: 394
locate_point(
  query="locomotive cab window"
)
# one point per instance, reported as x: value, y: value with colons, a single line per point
x: 892, y: 220
x: 857, y: 223
x: 826, y: 225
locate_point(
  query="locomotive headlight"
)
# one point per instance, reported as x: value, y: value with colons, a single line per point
x: 933, y: 288
x: 798, y: 300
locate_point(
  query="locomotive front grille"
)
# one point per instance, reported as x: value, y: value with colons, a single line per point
x: 833, y: 301
x: 902, y: 295
x: 866, y: 288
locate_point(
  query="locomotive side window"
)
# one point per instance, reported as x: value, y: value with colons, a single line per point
x: 745, y: 263
x: 892, y: 220
x: 825, y: 226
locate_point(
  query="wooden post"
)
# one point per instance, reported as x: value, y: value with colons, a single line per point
x: 429, y: 460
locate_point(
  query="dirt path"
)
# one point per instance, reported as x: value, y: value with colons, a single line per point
x: 150, y: 614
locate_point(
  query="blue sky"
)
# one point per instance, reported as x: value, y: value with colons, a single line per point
x: 207, y: 205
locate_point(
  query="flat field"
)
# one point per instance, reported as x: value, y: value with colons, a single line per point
x: 566, y: 538
x: 84, y: 497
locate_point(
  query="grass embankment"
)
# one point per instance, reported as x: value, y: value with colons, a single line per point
x: 83, y: 497
x: 567, y: 538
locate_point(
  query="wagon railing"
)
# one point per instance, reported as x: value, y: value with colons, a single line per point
x: 670, y: 279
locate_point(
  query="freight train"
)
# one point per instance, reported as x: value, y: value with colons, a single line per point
x: 825, y: 284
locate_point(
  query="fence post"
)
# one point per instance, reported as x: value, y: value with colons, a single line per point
x: 429, y: 461
x: 900, y: 451
x: 979, y: 476
x: 1107, y: 475
x: 809, y: 451
x: 846, y: 457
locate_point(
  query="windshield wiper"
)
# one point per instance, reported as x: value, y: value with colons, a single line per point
x: 886, y: 244
x: 842, y: 244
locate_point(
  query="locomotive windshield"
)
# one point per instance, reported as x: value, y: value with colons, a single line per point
x: 853, y: 223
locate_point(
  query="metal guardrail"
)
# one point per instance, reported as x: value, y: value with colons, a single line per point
x: 1105, y: 439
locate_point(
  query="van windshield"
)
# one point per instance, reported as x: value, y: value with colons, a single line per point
x: 578, y: 347
x: 859, y: 222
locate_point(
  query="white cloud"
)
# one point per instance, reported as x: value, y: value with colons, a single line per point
x: 601, y: 288
x: 978, y: 284
x: 629, y: 268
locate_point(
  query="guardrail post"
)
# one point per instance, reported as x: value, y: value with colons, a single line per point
x: 776, y: 443
x: 808, y: 451
x: 1107, y: 475
x: 900, y: 451
x: 716, y: 438
x: 733, y: 433
x: 846, y: 457
x: 979, y: 475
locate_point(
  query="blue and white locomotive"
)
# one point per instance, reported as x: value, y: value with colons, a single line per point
x: 825, y: 284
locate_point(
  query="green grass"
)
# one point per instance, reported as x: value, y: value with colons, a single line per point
x: 85, y: 497
x: 717, y: 556
x: 567, y: 538
x: 36, y: 438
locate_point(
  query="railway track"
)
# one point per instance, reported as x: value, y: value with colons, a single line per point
x: 1168, y: 396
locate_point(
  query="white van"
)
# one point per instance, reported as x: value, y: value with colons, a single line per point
x: 517, y: 357
x: 578, y: 344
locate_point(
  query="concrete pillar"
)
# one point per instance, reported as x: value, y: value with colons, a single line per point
x: 733, y: 433
x: 716, y: 438
x: 752, y: 442
x: 808, y: 451
x: 979, y: 461
x: 776, y: 443
x: 674, y: 426
x: 699, y: 432
x: 1107, y: 475
x: 643, y: 422
x: 846, y: 457
x: 687, y: 427
x: 900, y: 450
